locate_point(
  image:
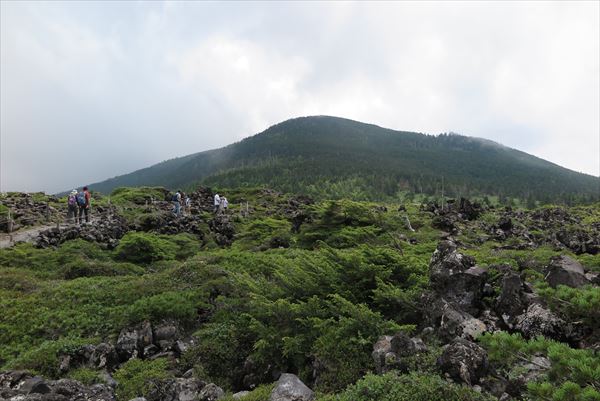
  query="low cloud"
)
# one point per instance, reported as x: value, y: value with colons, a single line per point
x: 93, y: 90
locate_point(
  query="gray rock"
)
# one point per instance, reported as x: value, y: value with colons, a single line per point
x: 104, y: 356
x: 138, y: 399
x: 389, y: 351
x: 241, y: 394
x: 290, y: 388
x: 512, y: 301
x: 180, y: 389
x: 34, y: 385
x: 564, y: 270
x: 132, y: 341
x: 538, y: 320
x: 455, y: 277
x: 464, y: 361
x: 165, y: 335
x: 456, y: 323
x: 211, y: 392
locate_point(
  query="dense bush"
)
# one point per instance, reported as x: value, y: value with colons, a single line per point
x: 411, y: 387
x: 574, y: 374
x: 135, y: 377
x: 138, y: 247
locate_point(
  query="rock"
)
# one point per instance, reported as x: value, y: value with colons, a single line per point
x: 180, y: 389
x: 464, y: 361
x: 512, y: 301
x: 223, y: 229
x: 455, y: 277
x: 448, y: 321
x: 34, y: 385
x: 564, y: 270
x: 290, y: 388
x: 166, y: 334
x: 104, y: 356
x: 538, y: 321
x: 389, y: 351
x: 239, y: 395
x: 132, y: 341
x: 505, y: 223
x: 211, y: 392
x: 138, y: 399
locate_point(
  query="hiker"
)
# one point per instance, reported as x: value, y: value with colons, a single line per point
x: 72, y: 207
x: 177, y: 203
x: 225, y: 203
x: 188, y: 205
x: 83, y: 201
x: 217, y: 203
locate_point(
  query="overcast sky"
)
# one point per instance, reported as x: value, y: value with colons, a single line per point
x: 93, y: 90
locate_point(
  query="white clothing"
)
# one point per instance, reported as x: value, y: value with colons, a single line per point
x: 217, y: 200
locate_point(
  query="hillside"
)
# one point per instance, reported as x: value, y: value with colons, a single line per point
x: 463, y: 303
x: 328, y: 157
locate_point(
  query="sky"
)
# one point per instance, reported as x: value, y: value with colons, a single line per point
x: 91, y: 90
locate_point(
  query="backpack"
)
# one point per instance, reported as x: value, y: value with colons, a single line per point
x: 174, y: 199
x: 81, y: 199
x: 72, y: 200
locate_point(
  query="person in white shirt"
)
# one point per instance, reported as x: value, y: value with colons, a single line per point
x: 217, y: 203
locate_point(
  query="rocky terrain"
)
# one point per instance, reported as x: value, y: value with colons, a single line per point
x: 452, y: 300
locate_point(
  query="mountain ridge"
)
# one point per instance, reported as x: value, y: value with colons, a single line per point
x: 320, y: 154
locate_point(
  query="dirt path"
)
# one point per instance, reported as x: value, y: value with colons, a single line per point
x: 28, y: 235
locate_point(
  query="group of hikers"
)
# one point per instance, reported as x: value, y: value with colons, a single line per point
x: 182, y: 204
x: 181, y: 199
x: 78, y: 205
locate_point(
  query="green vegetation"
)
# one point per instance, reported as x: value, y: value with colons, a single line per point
x: 311, y: 300
x: 135, y: 377
x: 411, y: 387
x: 574, y: 374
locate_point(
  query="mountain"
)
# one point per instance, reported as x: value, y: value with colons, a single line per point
x: 334, y: 157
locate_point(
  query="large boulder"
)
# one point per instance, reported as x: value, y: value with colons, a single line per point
x: 211, y: 392
x: 290, y: 388
x: 223, y: 229
x: 564, y: 270
x: 512, y: 300
x: 449, y: 321
x: 455, y: 277
x: 389, y: 352
x: 132, y: 341
x: 166, y: 335
x: 22, y: 386
x: 539, y: 321
x: 464, y: 361
x: 180, y: 389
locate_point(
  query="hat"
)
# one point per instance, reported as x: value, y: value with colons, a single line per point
x: 73, y: 192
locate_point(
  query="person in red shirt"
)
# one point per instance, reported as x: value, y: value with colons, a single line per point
x: 84, y: 202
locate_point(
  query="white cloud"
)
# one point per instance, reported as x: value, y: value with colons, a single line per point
x: 118, y: 86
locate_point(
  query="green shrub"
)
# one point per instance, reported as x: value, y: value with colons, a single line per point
x: 135, y: 377
x: 137, y: 195
x: 574, y: 374
x: 260, y: 393
x: 91, y: 268
x: 411, y: 387
x: 44, y: 358
x: 182, y: 306
x: 575, y: 304
x: 86, y: 376
x: 144, y: 248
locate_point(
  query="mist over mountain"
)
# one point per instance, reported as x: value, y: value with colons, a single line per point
x: 330, y: 157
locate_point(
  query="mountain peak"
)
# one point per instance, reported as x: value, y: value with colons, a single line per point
x: 332, y: 157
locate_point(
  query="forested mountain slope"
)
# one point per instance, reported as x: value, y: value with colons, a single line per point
x: 329, y: 157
